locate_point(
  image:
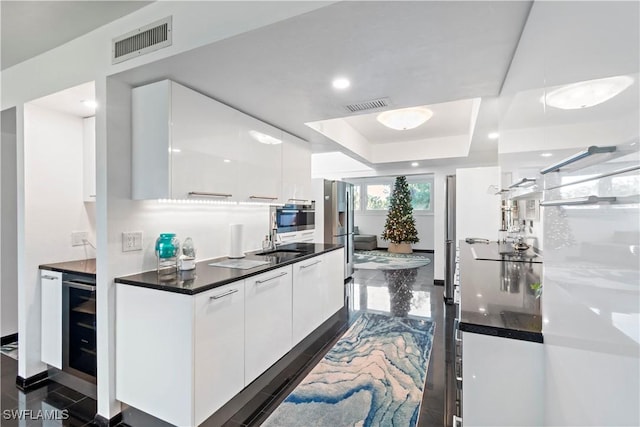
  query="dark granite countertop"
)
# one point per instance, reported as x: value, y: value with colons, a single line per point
x: 83, y: 267
x: 497, y: 298
x: 205, y: 277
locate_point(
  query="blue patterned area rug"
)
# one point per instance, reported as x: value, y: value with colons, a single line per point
x: 10, y: 350
x: 373, y: 376
x: 383, y: 260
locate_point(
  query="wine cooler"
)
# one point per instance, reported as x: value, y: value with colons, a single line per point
x: 79, y: 327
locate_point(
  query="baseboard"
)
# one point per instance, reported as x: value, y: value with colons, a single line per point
x: 8, y: 339
x: 438, y: 282
x: 101, y: 421
x: 33, y: 382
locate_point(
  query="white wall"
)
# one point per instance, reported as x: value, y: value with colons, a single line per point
x: 8, y: 227
x: 53, y: 208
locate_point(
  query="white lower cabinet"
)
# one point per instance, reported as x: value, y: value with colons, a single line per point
x: 267, y: 320
x: 318, y: 292
x: 181, y: 357
x: 51, y: 320
x: 503, y: 381
x: 308, y: 299
x: 219, y: 348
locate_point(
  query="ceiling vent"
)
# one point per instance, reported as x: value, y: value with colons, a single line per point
x: 141, y: 41
x: 373, y: 104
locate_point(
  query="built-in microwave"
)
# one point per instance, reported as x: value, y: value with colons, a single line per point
x: 295, y: 217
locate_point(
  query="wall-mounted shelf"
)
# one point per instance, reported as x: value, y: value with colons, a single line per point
x: 523, y: 183
x: 579, y: 157
x: 589, y: 200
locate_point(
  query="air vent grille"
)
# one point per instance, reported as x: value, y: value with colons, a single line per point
x: 373, y: 104
x: 143, y: 40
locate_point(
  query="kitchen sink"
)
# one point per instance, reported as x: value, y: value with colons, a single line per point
x: 291, y: 252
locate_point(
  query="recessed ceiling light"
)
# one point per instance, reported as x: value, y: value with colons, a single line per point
x: 89, y: 103
x: 227, y: 161
x: 546, y: 154
x: 264, y: 138
x: 405, y: 118
x: 415, y: 164
x: 341, y: 83
x: 587, y: 94
x: 493, y: 135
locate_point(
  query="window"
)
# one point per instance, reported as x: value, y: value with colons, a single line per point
x: 420, y: 196
x: 372, y: 195
x: 378, y: 196
x: 356, y: 198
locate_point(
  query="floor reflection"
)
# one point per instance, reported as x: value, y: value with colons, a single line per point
x: 397, y: 292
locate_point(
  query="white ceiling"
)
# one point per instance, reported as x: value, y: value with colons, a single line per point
x: 414, y: 53
x: 29, y: 28
x: 449, y: 118
x: 69, y: 101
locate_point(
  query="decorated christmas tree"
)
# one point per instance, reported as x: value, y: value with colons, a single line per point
x: 400, y: 226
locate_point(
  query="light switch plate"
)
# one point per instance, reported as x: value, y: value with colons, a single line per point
x: 79, y: 237
x: 131, y: 241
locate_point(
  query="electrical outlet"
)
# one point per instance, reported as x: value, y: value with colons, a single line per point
x: 78, y: 238
x: 131, y: 241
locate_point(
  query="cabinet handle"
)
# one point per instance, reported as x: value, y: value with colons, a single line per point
x: 47, y: 277
x: 296, y: 200
x: 202, y: 193
x: 79, y: 285
x: 224, y: 294
x: 263, y: 198
x: 271, y: 278
x: 92, y: 195
x: 311, y: 265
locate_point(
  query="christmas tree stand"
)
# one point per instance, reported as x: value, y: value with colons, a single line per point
x: 400, y: 248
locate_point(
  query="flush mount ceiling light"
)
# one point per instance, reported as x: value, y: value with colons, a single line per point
x: 415, y: 164
x: 405, y: 118
x: 341, y: 83
x: 264, y: 138
x: 493, y: 135
x: 89, y: 103
x: 587, y: 94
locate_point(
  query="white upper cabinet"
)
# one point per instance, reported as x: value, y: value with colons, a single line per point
x: 260, y: 169
x: 186, y: 144
x: 89, y: 159
x: 204, y: 146
x: 296, y: 170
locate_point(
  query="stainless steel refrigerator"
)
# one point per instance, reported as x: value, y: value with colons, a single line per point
x: 450, y: 239
x: 338, y: 219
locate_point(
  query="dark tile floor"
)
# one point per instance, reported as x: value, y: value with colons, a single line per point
x: 374, y: 291
x: 369, y: 290
x: 30, y: 409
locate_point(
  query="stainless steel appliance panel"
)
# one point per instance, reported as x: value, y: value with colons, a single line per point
x: 450, y: 239
x: 338, y: 219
